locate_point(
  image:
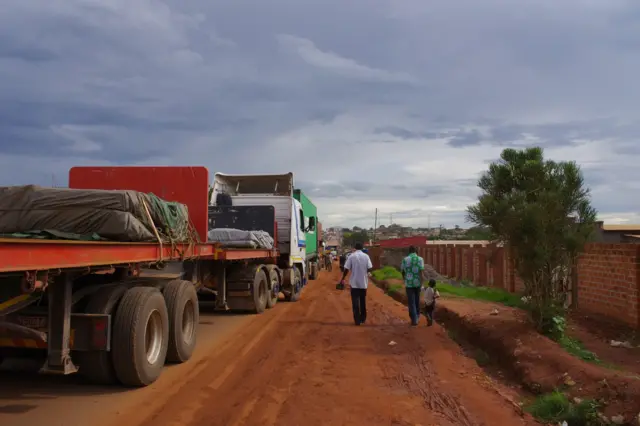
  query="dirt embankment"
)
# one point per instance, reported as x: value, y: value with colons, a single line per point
x: 539, y: 364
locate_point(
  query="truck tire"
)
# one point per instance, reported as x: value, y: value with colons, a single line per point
x: 274, y: 288
x: 97, y: 366
x: 140, y: 336
x: 296, y: 286
x: 260, y: 291
x: 313, y: 271
x: 182, y: 306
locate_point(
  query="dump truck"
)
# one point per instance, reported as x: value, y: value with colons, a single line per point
x: 89, y: 304
x: 310, y: 213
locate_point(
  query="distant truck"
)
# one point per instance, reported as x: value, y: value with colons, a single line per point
x: 310, y: 212
x: 295, y: 219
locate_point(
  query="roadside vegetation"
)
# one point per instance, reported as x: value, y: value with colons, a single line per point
x: 493, y: 295
x: 541, y: 211
x: 486, y: 294
x: 555, y: 408
x: 387, y: 273
x: 468, y: 291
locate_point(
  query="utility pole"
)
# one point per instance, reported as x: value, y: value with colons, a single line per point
x: 375, y: 226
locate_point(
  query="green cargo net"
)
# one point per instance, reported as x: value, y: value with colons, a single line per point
x: 171, y: 220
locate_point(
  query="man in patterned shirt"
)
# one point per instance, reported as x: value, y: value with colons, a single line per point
x: 412, y: 269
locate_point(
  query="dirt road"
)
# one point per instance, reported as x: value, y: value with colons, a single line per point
x: 301, y: 363
x: 28, y: 399
x: 306, y: 364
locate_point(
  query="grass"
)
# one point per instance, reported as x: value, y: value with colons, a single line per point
x: 478, y: 293
x: 485, y: 294
x: 576, y: 348
x: 395, y: 288
x: 556, y: 408
x: 387, y: 273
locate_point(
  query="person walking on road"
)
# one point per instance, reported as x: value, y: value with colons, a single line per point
x: 412, y: 269
x: 343, y: 260
x: 328, y: 261
x: 430, y: 296
x: 359, y: 264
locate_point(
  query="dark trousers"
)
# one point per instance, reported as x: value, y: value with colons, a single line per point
x: 428, y: 311
x: 413, y: 302
x: 359, y: 305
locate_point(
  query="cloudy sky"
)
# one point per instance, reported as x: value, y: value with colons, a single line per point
x: 389, y: 104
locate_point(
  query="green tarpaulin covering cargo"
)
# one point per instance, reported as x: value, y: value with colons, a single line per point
x: 59, y: 213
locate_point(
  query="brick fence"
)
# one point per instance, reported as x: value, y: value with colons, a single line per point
x: 608, y: 275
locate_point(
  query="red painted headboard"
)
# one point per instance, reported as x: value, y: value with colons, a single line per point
x: 186, y: 185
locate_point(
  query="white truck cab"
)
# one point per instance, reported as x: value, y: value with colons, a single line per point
x: 269, y: 190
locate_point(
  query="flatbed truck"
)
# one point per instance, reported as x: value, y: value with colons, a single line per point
x: 89, y: 306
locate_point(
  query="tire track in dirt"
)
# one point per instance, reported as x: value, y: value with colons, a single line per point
x: 227, y: 352
x: 235, y: 371
x: 306, y: 363
x: 432, y: 366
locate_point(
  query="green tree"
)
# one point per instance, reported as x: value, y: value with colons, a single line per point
x: 350, y: 239
x: 477, y: 233
x: 541, y: 210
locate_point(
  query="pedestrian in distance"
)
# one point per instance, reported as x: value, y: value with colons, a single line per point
x: 328, y: 261
x: 412, y: 269
x: 343, y: 260
x: 430, y: 296
x: 359, y: 265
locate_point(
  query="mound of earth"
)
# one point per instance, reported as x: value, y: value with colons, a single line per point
x: 535, y: 361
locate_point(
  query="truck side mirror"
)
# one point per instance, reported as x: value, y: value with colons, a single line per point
x: 312, y: 223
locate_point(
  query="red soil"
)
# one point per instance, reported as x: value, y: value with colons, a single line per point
x: 536, y: 362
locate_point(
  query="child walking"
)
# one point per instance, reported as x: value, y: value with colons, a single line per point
x: 430, y: 296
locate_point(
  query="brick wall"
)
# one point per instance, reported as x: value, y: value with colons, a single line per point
x: 608, y: 281
x: 608, y: 275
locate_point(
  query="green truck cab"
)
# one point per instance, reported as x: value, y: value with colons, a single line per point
x: 310, y: 214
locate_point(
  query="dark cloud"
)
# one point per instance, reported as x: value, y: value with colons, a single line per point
x: 323, y: 88
x: 405, y: 133
x: 359, y: 190
x: 466, y: 138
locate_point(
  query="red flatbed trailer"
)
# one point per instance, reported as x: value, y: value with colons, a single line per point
x: 18, y: 255
x: 94, y: 304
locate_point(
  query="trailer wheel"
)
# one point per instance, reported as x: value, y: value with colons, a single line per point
x: 296, y: 286
x: 182, y: 306
x: 313, y: 271
x: 97, y: 366
x: 140, y: 336
x: 274, y: 281
x: 260, y: 291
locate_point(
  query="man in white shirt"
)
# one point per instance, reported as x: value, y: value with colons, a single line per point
x: 359, y: 264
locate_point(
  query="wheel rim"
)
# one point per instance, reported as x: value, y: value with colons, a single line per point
x: 153, y: 337
x: 188, y: 322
